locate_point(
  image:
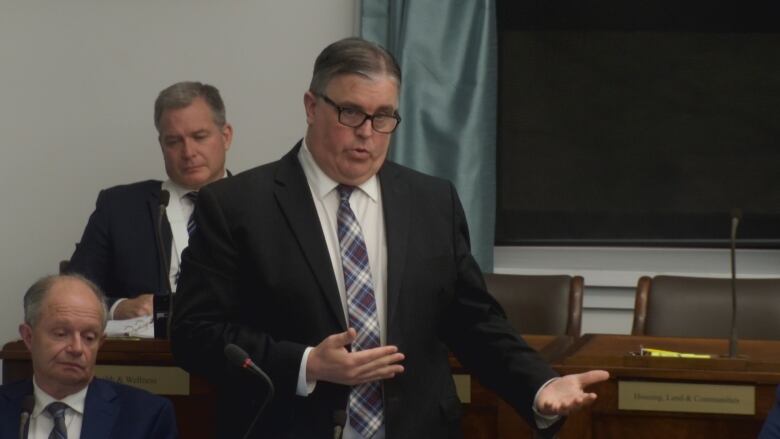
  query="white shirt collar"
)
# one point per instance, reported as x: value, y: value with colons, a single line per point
x: 42, y: 399
x: 322, y: 185
x: 178, y: 190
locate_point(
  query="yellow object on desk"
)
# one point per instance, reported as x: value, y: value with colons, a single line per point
x: 661, y: 353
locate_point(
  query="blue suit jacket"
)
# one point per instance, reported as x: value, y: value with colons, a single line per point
x: 111, y: 411
x: 119, y: 250
x: 771, y: 429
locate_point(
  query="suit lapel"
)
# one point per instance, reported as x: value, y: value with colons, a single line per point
x: 11, y: 407
x: 297, y: 205
x: 100, y: 410
x: 396, y: 207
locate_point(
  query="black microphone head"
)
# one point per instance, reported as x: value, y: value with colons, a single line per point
x: 340, y: 418
x: 28, y: 404
x: 165, y: 196
x: 235, y: 355
x: 736, y: 214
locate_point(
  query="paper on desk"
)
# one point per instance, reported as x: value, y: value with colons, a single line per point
x: 142, y: 327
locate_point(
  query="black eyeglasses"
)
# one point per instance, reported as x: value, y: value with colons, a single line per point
x: 354, y: 118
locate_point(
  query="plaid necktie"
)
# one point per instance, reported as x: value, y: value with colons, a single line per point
x: 365, y: 400
x: 192, y: 196
x: 57, y: 411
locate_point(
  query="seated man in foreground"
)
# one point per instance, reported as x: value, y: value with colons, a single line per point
x: 64, y: 320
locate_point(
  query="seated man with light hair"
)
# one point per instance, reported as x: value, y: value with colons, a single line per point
x: 64, y: 321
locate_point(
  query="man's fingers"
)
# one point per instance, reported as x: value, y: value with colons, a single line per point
x: 370, y: 355
x: 342, y: 338
x: 593, y: 377
x: 381, y: 366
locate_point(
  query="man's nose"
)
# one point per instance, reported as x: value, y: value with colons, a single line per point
x: 188, y: 148
x: 75, y: 346
x: 366, y: 129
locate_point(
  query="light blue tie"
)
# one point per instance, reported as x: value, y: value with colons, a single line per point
x: 365, y: 407
x: 57, y: 412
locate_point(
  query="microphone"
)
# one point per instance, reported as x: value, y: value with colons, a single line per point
x: 239, y: 357
x: 28, y: 403
x: 163, y: 303
x: 736, y: 215
x: 339, y: 419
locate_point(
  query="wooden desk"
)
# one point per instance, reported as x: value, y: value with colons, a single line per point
x: 760, y: 368
x: 485, y: 417
x: 199, y: 405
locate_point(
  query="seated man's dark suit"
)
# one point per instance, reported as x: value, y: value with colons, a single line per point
x: 258, y: 274
x: 119, y: 250
x: 111, y: 410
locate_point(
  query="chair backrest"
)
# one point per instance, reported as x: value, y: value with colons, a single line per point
x: 679, y: 306
x: 64, y: 266
x: 540, y: 304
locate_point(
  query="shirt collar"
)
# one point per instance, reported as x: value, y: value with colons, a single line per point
x: 178, y: 190
x: 322, y: 185
x: 42, y: 399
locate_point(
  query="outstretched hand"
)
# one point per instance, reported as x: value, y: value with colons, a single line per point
x: 567, y: 393
x: 331, y: 361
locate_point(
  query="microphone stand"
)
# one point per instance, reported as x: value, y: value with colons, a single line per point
x: 735, y: 216
x: 166, y: 298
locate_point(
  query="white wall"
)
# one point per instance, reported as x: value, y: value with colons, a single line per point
x: 78, y: 80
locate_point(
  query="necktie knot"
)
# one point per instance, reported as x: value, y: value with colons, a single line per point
x: 345, y: 191
x: 57, y: 409
x: 192, y: 196
x: 57, y: 412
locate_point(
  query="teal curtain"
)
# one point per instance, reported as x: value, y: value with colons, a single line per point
x: 447, y: 52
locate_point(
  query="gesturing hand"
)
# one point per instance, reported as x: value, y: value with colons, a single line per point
x: 331, y: 361
x: 567, y: 393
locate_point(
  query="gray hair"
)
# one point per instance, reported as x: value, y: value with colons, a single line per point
x: 35, y: 295
x: 354, y: 56
x: 182, y: 94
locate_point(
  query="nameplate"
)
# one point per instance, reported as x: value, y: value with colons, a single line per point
x: 463, y: 387
x: 687, y: 397
x: 155, y: 379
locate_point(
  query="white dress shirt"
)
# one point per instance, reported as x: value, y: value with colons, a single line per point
x: 366, y: 203
x: 41, y: 422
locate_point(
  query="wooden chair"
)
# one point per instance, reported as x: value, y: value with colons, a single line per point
x: 540, y: 304
x: 701, y: 307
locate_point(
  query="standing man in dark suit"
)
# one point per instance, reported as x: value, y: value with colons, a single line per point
x: 348, y: 278
x: 64, y: 320
x: 119, y: 250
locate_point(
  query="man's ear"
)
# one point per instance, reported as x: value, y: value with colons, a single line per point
x: 25, y: 331
x: 227, y: 135
x: 309, y: 103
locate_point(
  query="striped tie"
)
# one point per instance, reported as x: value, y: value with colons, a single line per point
x: 365, y: 400
x: 192, y: 196
x: 57, y: 412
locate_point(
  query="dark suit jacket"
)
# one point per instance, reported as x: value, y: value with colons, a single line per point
x: 258, y: 274
x: 771, y: 429
x: 119, y: 250
x: 111, y: 411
